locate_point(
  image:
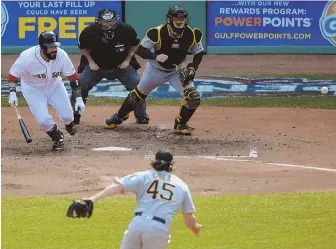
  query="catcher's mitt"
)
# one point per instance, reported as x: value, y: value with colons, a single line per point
x: 187, y: 74
x: 80, y: 209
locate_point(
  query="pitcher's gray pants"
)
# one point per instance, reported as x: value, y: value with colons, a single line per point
x: 145, y: 234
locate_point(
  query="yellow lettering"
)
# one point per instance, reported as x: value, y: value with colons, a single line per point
x: 63, y: 27
x: 42, y: 21
x: 24, y: 27
x: 84, y: 22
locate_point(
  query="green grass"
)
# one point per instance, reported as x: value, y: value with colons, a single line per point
x: 260, y: 221
x: 319, y: 102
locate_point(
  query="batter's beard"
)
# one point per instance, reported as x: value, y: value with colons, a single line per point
x: 50, y: 56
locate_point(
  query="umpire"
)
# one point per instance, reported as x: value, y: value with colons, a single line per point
x: 107, y: 49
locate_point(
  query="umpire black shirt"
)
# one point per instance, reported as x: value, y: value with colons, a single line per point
x: 108, y: 53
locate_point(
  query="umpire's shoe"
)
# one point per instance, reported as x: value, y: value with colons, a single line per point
x: 77, y: 117
x: 142, y: 120
x: 115, y: 120
x: 71, y: 128
x: 183, y: 129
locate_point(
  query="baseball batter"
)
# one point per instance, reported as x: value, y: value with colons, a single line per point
x: 166, y: 46
x: 160, y: 195
x: 40, y: 69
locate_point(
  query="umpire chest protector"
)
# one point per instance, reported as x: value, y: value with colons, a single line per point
x: 175, y: 48
x: 107, y: 50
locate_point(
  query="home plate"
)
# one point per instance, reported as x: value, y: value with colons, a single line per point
x: 112, y: 148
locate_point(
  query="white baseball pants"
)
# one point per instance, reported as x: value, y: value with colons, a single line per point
x: 55, y: 95
x: 143, y: 233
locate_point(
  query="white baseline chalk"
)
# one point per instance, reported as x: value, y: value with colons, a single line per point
x: 302, y: 166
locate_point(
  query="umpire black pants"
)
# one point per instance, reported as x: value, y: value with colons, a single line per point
x: 128, y: 77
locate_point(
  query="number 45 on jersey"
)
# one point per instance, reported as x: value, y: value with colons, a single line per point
x: 165, y: 193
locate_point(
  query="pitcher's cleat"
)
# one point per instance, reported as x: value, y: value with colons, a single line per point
x: 114, y: 121
x: 183, y: 129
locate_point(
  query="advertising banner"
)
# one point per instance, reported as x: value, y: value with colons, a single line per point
x: 271, y: 23
x: 23, y: 21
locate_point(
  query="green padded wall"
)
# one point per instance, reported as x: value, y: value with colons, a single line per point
x: 143, y: 15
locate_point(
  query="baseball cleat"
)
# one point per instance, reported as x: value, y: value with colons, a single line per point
x: 71, y: 128
x: 143, y: 120
x: 77, y: 117
x: 57, y: 137
x: 59, y: 144
x: 114, y: 121
x: 183, y: 129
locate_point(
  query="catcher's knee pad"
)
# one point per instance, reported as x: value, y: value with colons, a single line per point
x: 192, y: 98
x: 136, y: 96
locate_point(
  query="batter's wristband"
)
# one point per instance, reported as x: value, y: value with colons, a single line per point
x: 76, y: 89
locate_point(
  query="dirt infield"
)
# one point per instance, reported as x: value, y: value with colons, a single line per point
x: 290, y: 136
x: 215, y: 160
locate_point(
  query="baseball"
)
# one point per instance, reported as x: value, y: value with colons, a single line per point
x: 324, y: 90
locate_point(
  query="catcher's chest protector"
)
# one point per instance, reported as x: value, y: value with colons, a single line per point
x: 176, y: 49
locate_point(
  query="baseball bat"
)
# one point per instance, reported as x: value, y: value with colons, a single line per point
x: 23, y: 126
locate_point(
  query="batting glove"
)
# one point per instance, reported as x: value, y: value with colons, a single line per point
x: 80, y: 105
x: 13, y: 100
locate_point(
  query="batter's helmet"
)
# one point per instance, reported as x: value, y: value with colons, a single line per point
x: 48, y: 39
x: 178, y: 11
x: 163, y: 161
x: 105, y: 15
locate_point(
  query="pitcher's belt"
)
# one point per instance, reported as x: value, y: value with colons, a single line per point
x: 154, y: 217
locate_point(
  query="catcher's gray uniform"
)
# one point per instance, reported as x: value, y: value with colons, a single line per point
x: 155, y: 75
x: 160, y: 195
x: 166, y: 48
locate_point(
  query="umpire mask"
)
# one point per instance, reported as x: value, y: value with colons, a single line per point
x: 107, y: 21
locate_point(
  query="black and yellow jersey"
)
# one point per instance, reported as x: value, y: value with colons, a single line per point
x: 176, y: 48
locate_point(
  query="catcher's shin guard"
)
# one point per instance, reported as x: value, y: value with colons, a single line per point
x: 182, y: 129
x: 133, y: 99
x: 190, y: 104
x: 192, y: 98
x: 57, y: 137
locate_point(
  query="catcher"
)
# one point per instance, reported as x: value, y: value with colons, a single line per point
x: 160, y: 195
x: 166, y: 47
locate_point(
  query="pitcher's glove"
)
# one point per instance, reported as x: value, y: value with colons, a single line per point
x: 80, y: 209
x: 187, y: 74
